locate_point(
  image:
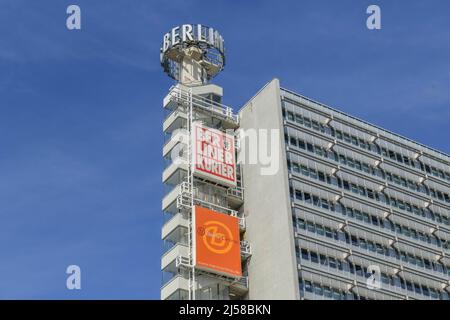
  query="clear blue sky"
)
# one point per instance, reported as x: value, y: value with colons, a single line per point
x: 81, y: 115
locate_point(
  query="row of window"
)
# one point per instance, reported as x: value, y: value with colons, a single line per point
x: 366, y: 192
x: 353, y: 268
x: 371, y: 246
x: 361, y: 166
x: 327, y: 291
x: 366, y: 218
x: 367, y: 168
x: 364, y: 144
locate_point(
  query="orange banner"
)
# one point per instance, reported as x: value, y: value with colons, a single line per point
x: 217, y: 244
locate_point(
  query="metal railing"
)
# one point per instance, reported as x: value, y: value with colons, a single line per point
x: 181, y: 96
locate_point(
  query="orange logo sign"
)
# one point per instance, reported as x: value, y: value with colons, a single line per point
x: 217, y: 242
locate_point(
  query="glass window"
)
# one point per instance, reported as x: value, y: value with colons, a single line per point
x: 290, y: 115
x: 417, y: 288
x: 305, y: 170
x: 365, y: 168
x: 320, y: 230
x: 323, y: 259
x: 315, y: 200
x: 307, y: 197
x: 301, y: 144
x: 301, y: 223
x: 362, y: 243
x: 325, y: 204
x: 315, y: 125
x: 350, y: 163
x: 366, y: 217
x: 305, y: 254
x: 308, y: 286
x: 347, y: 137
x: 321, y: 176
x: 318, y: 289
x: 293, y: 141
x: 332, y: 263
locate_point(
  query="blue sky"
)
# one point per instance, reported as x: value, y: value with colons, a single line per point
x: 81, y: 116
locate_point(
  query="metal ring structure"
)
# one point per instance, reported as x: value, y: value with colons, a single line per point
x: 200, y: 43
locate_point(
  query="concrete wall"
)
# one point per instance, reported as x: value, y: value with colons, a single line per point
x: 272, y: 268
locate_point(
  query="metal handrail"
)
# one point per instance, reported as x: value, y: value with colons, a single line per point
x: 179, y: 94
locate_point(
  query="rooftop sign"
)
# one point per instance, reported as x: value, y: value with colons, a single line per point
x: 192, y: 44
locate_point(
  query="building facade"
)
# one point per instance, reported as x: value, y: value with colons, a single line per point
x: 355, y: 211
x: 187, y: 192
x: 289, y: 198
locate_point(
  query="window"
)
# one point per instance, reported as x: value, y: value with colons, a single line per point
x: 298, y: 194
x: 308, y: 286
x: 310, y: 226
x: 315, y: 125
x: 362, y: 243
x: 315, y: 200
x: 346, y: 185
x: 409, y: 286
x: 328, y: 232
x: 347, y: 138
x: 323, y: 259
x: 374, y: 220
x: 332, y: 263
x: 362, y: 191
x: 327, y: 292
x: 325, y: 204
x: 290, y: 115
x: 305, y: 170
x: 417, y: 288
x: 301, y: 144
x: 336, y: 294
x: 350, y: 163
x: 366, y: 217
x: 320, y: 230
x: 305, y: 255
x: 301, y: 224
x: 307, y: 122
x: 307, y: 197
x: 350, y: 212
x: 293, y: 141
x: 359, y: 270
x: 380, y: 249
x: 318, y: 289
x: 321, y: 176
x: 314, y: 257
